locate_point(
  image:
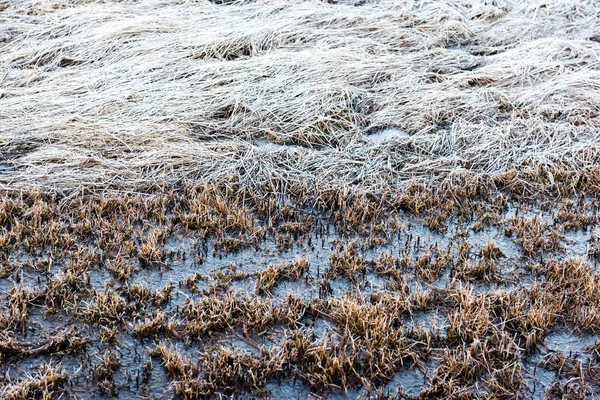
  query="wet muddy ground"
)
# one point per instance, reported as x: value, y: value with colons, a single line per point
x: 193, y: 298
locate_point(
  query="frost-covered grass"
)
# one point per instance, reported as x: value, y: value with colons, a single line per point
x: 125, y: 94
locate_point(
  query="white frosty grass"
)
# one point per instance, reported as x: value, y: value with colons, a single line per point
x: 126, y: 93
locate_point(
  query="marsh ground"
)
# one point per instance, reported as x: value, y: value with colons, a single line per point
x: 299, y: 199
x: 209, y: 293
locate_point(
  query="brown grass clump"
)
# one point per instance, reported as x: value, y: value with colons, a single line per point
x: 324, y: 363
x: 572, y: 219
x: 151, y: 251
x: 230, y: 372
x: 358, y: 213
x: 182, y: 370
x: 484, y: 268
x: 421, y: 299
x: 158, y: 324
x: 108, y: 333
x: 471, y: 319
x: 432, y: 262
x: 229, y: 274
x: 490, y: 251
x: 595, y: 349
x: 579, y: 283
x: 386, y: 264
x: 44, y: 384
x: 122, y: 268
x: 374, y: 329
x: 459, y: 369
x: 217, y: 313
x: 104, y: 372
x: 347, y: 262
x: 19, y: 299
x: 211, y: 212
x: 290, y: 232
x: 528, y: 312
x: 534, y: 235
x: 594, y: 250
x: 163, y: 296
x: 60, y: 343
x: 293, y: 310
x: 115, y: 237
x: 436, y: 221
x: 176, y: 365
x: 580, y: 377
x: 495, y: 361
x: 138, y: 293
x: 191, y: 282
x: 64, y: 290
x: 503, y: 366
x: 490, y: 218
x: 572, y: 390
x: 106, y: 307
x: 292, y: 270
x: 222, y: 370
x: 231, y: 244
x: 301, y: 227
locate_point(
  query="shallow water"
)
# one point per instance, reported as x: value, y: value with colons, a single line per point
x: 238, y: 271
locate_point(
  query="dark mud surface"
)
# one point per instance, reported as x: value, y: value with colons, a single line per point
x: 135, y: 300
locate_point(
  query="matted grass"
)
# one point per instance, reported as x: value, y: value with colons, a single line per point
x: 110, y: 94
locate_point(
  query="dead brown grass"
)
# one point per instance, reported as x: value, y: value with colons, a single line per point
x: 348, y: 336
x: 43, y: 384
x: 292, y: 270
